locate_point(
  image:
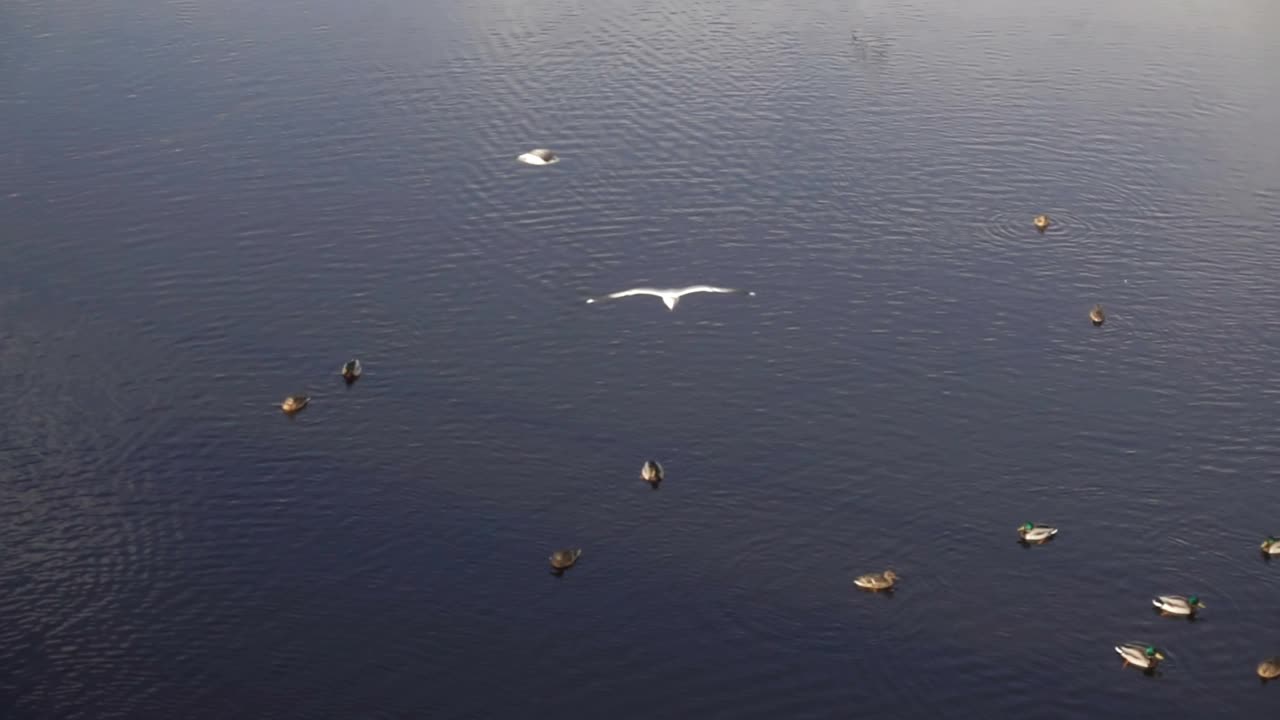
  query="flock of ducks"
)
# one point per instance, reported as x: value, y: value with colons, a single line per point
x: 1139, y: 654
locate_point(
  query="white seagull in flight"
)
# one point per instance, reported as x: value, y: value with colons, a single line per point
x: 670, y: 296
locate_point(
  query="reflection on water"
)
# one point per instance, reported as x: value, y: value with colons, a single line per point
x: 211, y: 205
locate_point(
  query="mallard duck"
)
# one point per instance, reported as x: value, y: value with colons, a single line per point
x: 564, y: 559
x: 294, y: 403
x: 351, y: 370
x: 1270, y: 668
x: 1177, y: 604
x: 539, y: 156
x: 877, y: 581
x: 1271, y: 546
x: 651, y: 472
x: 1034, y: 533
x: 1141, y: 654
x: 1041, y: 222
x: 1097, y: 316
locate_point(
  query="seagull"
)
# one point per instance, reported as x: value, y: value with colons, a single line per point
x: 539, y: 156
x: 669, y: 296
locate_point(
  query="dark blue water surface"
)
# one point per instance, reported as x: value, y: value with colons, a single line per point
x: 206, y: 205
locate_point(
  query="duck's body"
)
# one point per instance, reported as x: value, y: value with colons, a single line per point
x: 294, y: 403
x: 1270, y: 668
x: 352, y: 370
x: 539, y: 156
x: 651, y: 472
x: 1097, y: 316
x: 1271, y: 546
x: 1036, y: 533
x: 1177, y: 604
x: 1041, y: 222
x: 1140, y: 654
x: 877, y: 581
x: 564, y: 559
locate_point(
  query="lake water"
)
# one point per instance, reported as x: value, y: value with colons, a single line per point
x: 207, y: 205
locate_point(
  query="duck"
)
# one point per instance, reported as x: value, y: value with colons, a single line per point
x: 1097, y: 316
x: 1177, y: 604
x: 1141, y: 654
x: 651, y: 472
x: 1035, y: 533
x: 562, y: 560
x: 877, y: 581
x: 539, y: 156
x: 351, y: 370
x: 1271, y: 546
x: 1270, y: 668
x: 294, y: 403
x: 1041, y: 222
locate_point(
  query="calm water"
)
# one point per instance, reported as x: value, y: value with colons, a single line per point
x: 207, y: 205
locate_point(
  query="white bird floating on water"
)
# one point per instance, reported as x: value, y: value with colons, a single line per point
x: 540, y: 156
x: 670, y: 296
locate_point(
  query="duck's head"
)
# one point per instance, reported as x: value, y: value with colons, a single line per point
x: 1194, y: 601
x: 1271, y: 540
x: 1152, y: 653
x: 1026, y: 527
x: 890, y: 575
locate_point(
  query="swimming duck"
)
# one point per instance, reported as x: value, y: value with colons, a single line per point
x: 877, y: 581
x: 1270, y: 668
x: 1140, y: 654
x: 1034, y: 533
x: 1271, y: 546
x: 539, y: 156
x: 1097, y: 316
x: 1177, y: 604
x: 564, y: 559
x: 294, y: 403
x: 352, y: 370
x: 651, y: 472
x: 1041, y: 222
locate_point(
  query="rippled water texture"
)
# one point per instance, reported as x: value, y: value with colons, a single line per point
x: 208, y: 205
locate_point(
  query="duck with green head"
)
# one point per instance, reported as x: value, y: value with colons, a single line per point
x: 1271, y: 546
x: 1036, y: 533
x: 352, y: 370
x: 1177, y: 604
x: 1140, y: 654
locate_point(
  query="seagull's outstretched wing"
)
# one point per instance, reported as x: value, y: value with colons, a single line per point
x: 710, y: 289
x: 627, y: 293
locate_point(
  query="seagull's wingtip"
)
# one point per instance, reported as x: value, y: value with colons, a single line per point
x: 590, y: 300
